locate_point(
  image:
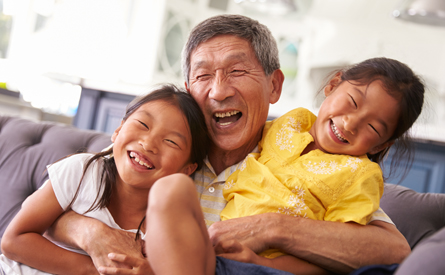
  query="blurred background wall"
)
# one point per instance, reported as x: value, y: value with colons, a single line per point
x: 53, y: 53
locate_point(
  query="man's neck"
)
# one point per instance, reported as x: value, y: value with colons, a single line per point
x: 222, y: 159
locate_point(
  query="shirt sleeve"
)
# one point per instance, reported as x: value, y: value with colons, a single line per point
x: 380, y: 215
x: 65, y: 176
x: 360, y: 201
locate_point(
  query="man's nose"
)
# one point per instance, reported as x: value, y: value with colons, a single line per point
x: 220, y: 89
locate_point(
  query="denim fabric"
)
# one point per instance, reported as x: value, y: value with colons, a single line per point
x: 376, y: 270
x: 228, y: 267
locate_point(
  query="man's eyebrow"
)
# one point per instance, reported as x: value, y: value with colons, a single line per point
x: 236, y: 57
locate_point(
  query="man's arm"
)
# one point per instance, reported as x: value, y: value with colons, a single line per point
x: 94, y: 237
x: 339, y: 247
x: 236, y: 251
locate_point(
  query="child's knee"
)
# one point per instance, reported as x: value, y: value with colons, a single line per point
x: 170, y: 189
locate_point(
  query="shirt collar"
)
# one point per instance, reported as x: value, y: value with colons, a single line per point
x: 224, y: 175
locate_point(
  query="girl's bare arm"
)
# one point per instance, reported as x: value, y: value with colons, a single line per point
x: 23, y: 241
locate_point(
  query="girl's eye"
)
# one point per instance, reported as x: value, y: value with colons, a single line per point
x: 145, y: 125
x: 355, y: 103
x: 171, y: 141
x: 374, y: 129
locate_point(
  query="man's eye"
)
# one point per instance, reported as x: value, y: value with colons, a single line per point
x: 203, y: 76
x: 238, y: 72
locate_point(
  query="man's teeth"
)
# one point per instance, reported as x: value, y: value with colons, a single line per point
x: 133, y: 155
x: 221, y: 115
x: 337, y: 134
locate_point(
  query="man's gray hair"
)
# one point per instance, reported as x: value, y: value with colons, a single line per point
x: 258, y: 35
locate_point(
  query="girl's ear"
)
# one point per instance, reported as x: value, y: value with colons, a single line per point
x: 116, y: 132
x: 328, y: 89
x: 380, y: 147
x: 189, y: 168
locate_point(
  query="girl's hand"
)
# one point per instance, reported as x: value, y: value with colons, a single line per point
x: 137, y: 265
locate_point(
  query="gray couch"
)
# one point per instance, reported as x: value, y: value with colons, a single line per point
x: 26, y: 148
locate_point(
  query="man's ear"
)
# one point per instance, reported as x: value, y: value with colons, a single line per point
x: 333, y: 83
x: 381, y: 147
x: 186, y: 86
x: 277, y: 86
x: 189, y: 168
x: 116, y: 132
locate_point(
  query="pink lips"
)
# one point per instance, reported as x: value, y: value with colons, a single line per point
x: 141, y: 160
x: 337, y: 134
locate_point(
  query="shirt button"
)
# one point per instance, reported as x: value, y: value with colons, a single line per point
x: 212, y: 189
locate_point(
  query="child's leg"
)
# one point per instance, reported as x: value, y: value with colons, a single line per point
x: 177, y: 241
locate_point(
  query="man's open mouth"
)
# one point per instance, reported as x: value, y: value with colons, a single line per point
x: 337, y: 134
x: 227, y: 118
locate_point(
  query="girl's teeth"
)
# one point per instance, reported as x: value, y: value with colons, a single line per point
x: 139, y: 161
x: 334, y: 129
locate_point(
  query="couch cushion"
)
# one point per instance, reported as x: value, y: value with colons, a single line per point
x: 426, y: 258
x: 416, y: 215
x: 26, y: 147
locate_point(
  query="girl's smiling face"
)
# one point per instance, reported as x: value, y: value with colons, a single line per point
x: 355, y: 119
x: 154, y: 141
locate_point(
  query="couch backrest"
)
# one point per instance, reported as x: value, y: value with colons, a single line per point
x: 26, y: 147
x: 416, y: 215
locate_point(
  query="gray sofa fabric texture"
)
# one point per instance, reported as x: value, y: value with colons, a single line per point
x: 416, y: 215
x: 26, y: 147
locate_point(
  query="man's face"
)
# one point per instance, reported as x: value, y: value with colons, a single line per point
x: 232, y: 90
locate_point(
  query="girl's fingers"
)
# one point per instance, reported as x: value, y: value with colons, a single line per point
x: 125, y: 259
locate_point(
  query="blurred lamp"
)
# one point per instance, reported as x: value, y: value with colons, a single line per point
x: 272, y: 7
x: 430, y: 12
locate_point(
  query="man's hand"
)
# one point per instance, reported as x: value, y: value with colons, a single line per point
x: 136, y: 265
x: 250, y: 231
x: 109, y: 240
x: 95, y: 238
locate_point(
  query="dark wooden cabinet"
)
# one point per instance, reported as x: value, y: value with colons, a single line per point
x: 427, y: 173
x: 100, y: 110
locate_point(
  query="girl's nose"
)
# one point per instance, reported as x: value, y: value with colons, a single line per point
x: 220, y: 90
x: 149, y: 145
x: 350, y: 123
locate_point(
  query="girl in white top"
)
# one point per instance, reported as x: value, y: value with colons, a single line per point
x: 161, y: 134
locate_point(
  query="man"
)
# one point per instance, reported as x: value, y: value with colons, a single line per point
x: 231, y: 68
